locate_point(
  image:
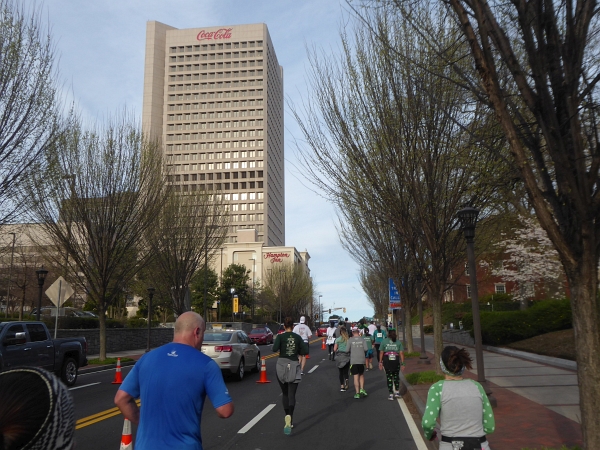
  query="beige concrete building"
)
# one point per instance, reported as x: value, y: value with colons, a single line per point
x: 214, y: 96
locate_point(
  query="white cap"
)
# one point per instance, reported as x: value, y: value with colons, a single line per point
x: 302, y: 319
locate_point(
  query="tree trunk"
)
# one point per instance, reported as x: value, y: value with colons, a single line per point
x: 102, y: 323
x: 438, y: 344
x: 22, y: 304
x: 583, y: 279
x: 408, y: 328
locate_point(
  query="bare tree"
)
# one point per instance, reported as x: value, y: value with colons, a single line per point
x: 189, y: 229
x: 390, y: 132
x: 29, y: 116
x: 289, y: 287
x: 97, y: 201
x: 376, y: 287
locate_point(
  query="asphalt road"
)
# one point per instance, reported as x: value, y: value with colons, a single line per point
x: 324, y: 416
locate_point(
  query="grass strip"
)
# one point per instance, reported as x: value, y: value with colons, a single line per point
x: 427, y: 377
x: 108, y: 361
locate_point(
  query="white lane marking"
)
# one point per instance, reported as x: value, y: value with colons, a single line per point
x: 313, y: 369
x: 85, y: 385
x: 104, y: 370
x: 254, y: 421
x: 412, y: 426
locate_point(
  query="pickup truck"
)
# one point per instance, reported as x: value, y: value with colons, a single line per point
x: 29, y: 344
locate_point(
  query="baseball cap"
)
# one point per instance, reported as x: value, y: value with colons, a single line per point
x: 302, y: 319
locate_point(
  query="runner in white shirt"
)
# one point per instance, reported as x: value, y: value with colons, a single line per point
x: 331, y: 339
x: 304, y: 331
x: 372, y: 328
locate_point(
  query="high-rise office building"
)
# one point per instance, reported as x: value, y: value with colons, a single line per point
x: 215, y: 98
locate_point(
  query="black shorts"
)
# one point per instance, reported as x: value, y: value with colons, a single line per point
x: 357, y: 369
x: 308, y: 347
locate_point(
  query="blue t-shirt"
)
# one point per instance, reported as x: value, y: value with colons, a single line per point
x: 172, y: 382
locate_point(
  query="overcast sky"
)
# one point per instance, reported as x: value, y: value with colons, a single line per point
x: 101, y: 49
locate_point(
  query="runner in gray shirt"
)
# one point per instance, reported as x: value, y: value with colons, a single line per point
x: 356, y: 347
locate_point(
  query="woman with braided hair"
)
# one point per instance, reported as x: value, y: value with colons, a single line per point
x: 464, y: 409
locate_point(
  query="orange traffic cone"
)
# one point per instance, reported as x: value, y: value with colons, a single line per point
x: 307, y: 356
x: 263, y: 372
x: 126, y: 439
x: 323, y: 346
x: 118, y: 377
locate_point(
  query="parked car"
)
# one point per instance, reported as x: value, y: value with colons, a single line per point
x: 261, y: 336
x: 62, y: 312
x: 29, y: 344
x: 232, y: 350
x: 281, y: 329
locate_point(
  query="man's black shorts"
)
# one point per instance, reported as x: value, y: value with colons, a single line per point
x: 308, y: 347
x: 357, y: 369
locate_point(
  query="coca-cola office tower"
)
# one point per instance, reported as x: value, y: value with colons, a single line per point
x: 215, y: 97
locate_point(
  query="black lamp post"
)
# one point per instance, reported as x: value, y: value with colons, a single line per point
x: 232, y: 290
x: 423, y: 359
x: 150, y: 295
x: 468, y: 220
x: 41, y: 274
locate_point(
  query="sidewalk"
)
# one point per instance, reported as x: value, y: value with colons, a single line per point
x: 538, y: 398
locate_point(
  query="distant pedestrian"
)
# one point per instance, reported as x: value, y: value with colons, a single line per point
x: 372, y: 328
x: 459, y: 402
x: 369, y: 352
x: 290, y: 347
x: 172, y: 383
x: 391, y: 359
x: 304, y: 332
x: 380, y: 334
x: 331, y: 339
x: 343, y: 358
x: 357, y: 347
x: 36, y: 411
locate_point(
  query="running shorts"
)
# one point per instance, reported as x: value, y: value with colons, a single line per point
x: 357, y: 369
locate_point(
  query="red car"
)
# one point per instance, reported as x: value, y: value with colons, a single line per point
x: 322, y: 330
x: 261, y: 336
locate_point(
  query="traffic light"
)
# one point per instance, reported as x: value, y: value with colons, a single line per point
x: 344, y: 310
x: 235, y: 304
x: 329, y: 310
x: 316, y: 316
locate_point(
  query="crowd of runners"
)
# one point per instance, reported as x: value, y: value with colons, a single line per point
x: 351, y: 347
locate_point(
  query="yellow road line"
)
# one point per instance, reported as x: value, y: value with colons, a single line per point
x: 98, y: 417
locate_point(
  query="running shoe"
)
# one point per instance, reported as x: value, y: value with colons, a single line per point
x: 301, y: 373
x: 363, y: 393
x: 356, y: 395
x: 397, y: 395
x: 342, y: 389
x: 287, y: 429
x: 391, y: 397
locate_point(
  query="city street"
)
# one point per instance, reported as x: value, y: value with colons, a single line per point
x: 324, y: 416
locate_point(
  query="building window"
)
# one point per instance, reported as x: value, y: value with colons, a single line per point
x: 467, y: 268
x: 468, y: 291
x: 500, y: 288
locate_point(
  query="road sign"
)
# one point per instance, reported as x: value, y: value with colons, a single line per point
x: 60, y: 290
x: 236, y: 304
x: 395, y: 302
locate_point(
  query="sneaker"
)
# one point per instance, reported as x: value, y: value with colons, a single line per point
x: 367, y: 369
x: 342, y: 389
x: 287, y: 429
x: 301, y: 373
x: 363, y: 393
x: 391, y: 397
x: 356, y: 395
x: 397, y: 395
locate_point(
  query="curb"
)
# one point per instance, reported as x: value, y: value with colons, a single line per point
x: 548, y: 360
x: 97, y: 368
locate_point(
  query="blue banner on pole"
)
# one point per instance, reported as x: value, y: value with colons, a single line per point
x: 395, y: 302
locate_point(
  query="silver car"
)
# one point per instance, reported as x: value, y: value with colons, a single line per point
x: 232, y: 350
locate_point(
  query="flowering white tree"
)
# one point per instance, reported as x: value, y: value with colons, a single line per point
x: 532, y: 258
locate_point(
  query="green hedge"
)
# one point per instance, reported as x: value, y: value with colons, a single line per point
x: 505, y: 327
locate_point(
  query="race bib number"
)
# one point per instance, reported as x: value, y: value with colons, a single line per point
x: 392, y: 357
x: 379, y: 334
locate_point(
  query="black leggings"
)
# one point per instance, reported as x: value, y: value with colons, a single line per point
x: 330, y: 347
x: 393, y: 379
x: 289, y: 396
x: 344, y: 373
x: 376, y: 349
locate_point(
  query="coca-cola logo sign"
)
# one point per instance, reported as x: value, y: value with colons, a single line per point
x: 276, y: 257
x: 222, y: 33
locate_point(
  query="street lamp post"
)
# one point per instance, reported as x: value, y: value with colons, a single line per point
x: 468, y: 220
x: 211, y: 227
x: 150, y: 296
x: 320, y: 310
x: 41, y: 275
x: 423, y: 359
x: 12, y: 255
